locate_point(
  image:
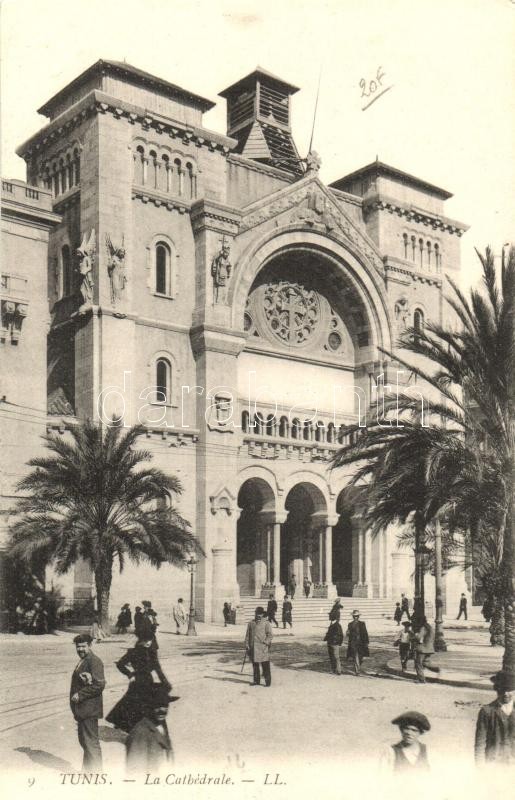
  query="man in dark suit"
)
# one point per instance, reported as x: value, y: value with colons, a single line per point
x: 271, y: 610
x: 86, y: 689
x: 357, y: 635
x: 495, y: 729
x: 463, y: 606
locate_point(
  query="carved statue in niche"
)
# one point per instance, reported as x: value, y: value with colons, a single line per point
x: 86, y: 256
x: 402, y: 312
x: 221, y: 269
x: 116, y: 269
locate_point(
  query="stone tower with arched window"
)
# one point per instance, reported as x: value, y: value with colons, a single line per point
x: 212, y: 288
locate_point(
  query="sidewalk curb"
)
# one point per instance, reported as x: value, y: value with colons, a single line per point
x: 393, y: 669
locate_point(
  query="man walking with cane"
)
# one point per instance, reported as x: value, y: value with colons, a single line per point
x: 258, y: 642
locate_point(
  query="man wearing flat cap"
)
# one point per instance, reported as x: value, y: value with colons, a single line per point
x: 258, y: 641
x: 148, y: 746
x: 87, y: 685
x: 409, y: 755
x: 495, y: 729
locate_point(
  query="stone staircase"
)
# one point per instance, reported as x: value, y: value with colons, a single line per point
x: 314, y: 609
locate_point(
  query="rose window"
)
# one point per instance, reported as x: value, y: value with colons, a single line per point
x: 291, y: 311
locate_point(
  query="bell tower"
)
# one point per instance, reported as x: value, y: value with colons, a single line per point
x: 258, y: 116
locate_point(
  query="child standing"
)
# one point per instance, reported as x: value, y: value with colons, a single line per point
x: 397, y: 614
x: 404, y: 642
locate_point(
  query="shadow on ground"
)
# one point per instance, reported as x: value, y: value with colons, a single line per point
x: 44, y: 759
x: 294, y: 654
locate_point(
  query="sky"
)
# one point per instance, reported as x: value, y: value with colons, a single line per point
x: 449, y: 116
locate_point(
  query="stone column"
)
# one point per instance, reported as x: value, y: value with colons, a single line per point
x: 328, y: 570
x: 368, y: 564
x: 224, y: 584
x: 275, y: 579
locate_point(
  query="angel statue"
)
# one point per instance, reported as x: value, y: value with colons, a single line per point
x: 116, y: 269
x: 86, y: 256
x: 221, y: 272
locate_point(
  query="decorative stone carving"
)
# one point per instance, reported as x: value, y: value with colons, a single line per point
x: 292, y: 312
x: 116, y: 269
x: 402, y: 312
x: 13, y: 315
x: 313, y: 206
x: 221, y: 269
x: 313, y: 162
x: 86, y: 256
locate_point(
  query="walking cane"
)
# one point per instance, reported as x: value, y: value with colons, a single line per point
x: 244, y: 660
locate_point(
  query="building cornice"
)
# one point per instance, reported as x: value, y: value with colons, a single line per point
x: 398, y: 267
x: 98, y: 102
x: 32, y: 215
x: 381, y: 202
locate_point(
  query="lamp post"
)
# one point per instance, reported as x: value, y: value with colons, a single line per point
x: 192, y: 631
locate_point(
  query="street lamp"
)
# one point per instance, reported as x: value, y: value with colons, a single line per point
x: 192, y: 631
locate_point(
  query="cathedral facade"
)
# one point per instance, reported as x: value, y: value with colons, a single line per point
x: 212, y: 288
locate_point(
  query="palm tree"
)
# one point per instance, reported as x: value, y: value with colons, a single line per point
x: 93, y: 499
x: 473, y: 373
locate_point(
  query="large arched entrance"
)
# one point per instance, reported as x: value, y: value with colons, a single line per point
x: 255, y: 541
x: 305, y: 551
x: 344, y: 548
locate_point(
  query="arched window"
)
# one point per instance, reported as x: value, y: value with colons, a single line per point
x: 320, y: 431
x: 66, y: 272
x: 62, y: 176
x: 163, y: 282
x: 405, y: 242
x: 418, y: 320
x: 177, y: 177
x: 192, y: 178
x: 163, y: 381
x: 76, y: 165
x: 413, y: 247
x: 245, y: 421
x: 330, y: 433
x: 341, y: 434
x: 47, y: 179
x: 139, y: 156
x: 69, y: 170
x: 284, y: 428
x: 296, y: 429
x: 421, y: 248
x: 55, y: 178
x: 166, y: 175
x: 438, y: 258
x: 428, y: 245
x: 152, y: 169
x: 308, y: 430
x: 270, y: 425
x: 259, y: 424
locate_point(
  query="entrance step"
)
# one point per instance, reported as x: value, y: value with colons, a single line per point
x: 317, y: 609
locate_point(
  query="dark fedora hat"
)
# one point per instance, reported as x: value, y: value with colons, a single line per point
x: 412, y: 718
x: 504, y: 681
x: 157, y: 696
x: 259, y: 610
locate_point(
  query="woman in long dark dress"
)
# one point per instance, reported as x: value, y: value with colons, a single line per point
x: 138, y: 664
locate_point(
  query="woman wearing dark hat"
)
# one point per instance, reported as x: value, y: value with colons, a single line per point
x: 139, y: 664
x: 409, y: 755
x: 495, y: 729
